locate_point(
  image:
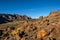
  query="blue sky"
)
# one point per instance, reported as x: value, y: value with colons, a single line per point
x: 32, y: 8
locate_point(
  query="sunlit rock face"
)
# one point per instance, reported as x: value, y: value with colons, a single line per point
x: 52, y: 14
x: 24, y: 28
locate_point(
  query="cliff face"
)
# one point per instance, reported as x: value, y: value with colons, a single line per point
x: 44, y: 28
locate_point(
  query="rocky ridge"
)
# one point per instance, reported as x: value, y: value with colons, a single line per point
x: 4, y: 18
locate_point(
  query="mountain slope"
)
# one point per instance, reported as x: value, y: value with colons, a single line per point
x: 44, y: 28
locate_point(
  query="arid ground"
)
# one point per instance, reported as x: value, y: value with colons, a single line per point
x: 17, y: 27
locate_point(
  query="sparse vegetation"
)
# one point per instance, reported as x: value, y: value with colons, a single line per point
x: 17, y: 27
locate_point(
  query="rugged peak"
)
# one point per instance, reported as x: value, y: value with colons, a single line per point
x: 54, y: 13
x: 12, y: 17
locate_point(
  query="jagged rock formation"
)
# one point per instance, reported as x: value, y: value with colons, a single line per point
x: 44, y: 28
x: 4, y: 18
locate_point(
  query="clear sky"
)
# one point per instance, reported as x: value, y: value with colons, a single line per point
x: 32, y: 8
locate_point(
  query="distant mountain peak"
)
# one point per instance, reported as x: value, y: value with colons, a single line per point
x: 12, y: 17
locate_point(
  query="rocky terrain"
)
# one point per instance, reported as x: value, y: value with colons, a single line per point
x: 15, y: 27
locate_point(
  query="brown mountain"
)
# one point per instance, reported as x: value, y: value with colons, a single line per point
x: 44, y: 28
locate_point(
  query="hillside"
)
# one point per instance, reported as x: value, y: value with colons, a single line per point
x: 13, y: 27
